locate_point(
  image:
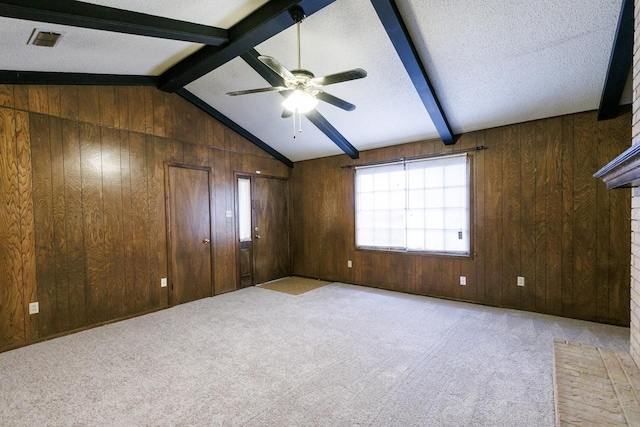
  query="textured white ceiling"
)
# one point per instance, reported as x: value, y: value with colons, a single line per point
x: 87, y: 51
x: 503, y: 61
x: 491, y: 63
x: 217, y: 13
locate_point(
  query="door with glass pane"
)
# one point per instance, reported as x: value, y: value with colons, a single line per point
x: 263, y: 229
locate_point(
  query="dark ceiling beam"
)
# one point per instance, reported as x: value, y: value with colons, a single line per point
x: 251, y: 58
x: 619, y: 64
x: 86, y: 15
x: 80, y: 79
x: 232, y: 125
x: 264, y: 23
x: 397, y: 31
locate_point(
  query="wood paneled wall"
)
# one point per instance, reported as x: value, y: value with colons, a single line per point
x: 82, y: 209
x: 537, y: 210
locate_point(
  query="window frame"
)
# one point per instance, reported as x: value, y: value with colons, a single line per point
x: 471, y: 212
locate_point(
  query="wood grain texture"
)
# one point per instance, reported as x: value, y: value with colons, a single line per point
x: 59, y: 225
x: 89, y: 104
x: 190, y: 234
x: 129, y: 304
x: 160, y: 226
x: 603, y: 227
x: 6, y: 96
x: 567, y: 258
x: 511, y: 217
x: 113, y: 250
x: 140, y: 220
x: 108, y: 109
x: 584, y: 211
x: 27, y: 226
x: 534, y: 200
x: 527, y: 235
x: 74, y: 224
x: 12, y: 316
x: 271, y: 255
x: 494, y: 215
x: 93, y: 204
x: 37, y: 101
x: 553, y: 259
x: 154, y: 220
x: 54, y: 106
x: 69, y: 102
x: 43, y: 220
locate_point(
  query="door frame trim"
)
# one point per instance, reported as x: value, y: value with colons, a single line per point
x: 167, y: 165
x: 251, y: 175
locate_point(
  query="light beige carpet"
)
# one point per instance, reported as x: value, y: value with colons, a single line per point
x: 341, y: 355
x: 293, y: 285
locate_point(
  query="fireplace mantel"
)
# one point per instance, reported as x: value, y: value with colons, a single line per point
x: 623, y: 171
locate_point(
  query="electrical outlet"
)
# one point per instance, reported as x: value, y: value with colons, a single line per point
x: 349, y: 264
x: 463, y: 281
x: 163, y: 282
x: 228, y: 214
x: 520, y: 281
x: 34, y: 308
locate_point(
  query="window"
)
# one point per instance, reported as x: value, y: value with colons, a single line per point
x: 244, y: 209
x: 420, y: 205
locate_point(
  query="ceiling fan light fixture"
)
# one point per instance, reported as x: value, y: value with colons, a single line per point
x: 300, y: 102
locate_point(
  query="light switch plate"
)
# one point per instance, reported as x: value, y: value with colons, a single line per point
x: 163, y: 282
x: 463, y: 280
x: 520, y: 281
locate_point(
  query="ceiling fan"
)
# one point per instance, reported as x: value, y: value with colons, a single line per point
x: 302, y: 87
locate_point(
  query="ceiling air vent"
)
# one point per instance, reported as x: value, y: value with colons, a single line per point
x: 44, y: 38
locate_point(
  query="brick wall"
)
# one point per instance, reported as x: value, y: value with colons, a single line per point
x: 635, y: 200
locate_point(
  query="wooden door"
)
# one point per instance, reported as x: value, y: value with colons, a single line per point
x: 189, y: 233
x: 271, y: 258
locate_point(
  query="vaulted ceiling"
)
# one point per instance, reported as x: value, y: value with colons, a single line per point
x: 435, y: 68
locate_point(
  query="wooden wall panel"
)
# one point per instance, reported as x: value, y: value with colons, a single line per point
x: 140, y: 219
x: 59, y: 224
x: 74, y: 223
x: 553, y: 258
x: 6, y: 96
x: 43, y: 222
x: 540, y: 208
x: 113, y: 251
x: 584, y: 211
x: 566, y: 257
x: 129, y: 303
x: 527, y: 231
x: 12, y: 316
x: 537, y: 210
x: 92, y: 202
x: 511, y: 217
x: 494, y: 215
x: 28, y: 250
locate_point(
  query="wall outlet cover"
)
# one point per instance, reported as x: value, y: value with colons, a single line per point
x: 520, y: 281
x: 163, y: 282
x: 349, y: 264
x: 34, y: 308
x: 463, y: 280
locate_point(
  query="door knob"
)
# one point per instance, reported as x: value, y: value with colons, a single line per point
x: 206, y: 241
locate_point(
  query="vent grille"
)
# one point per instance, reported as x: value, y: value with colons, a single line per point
x: 44, y: 38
